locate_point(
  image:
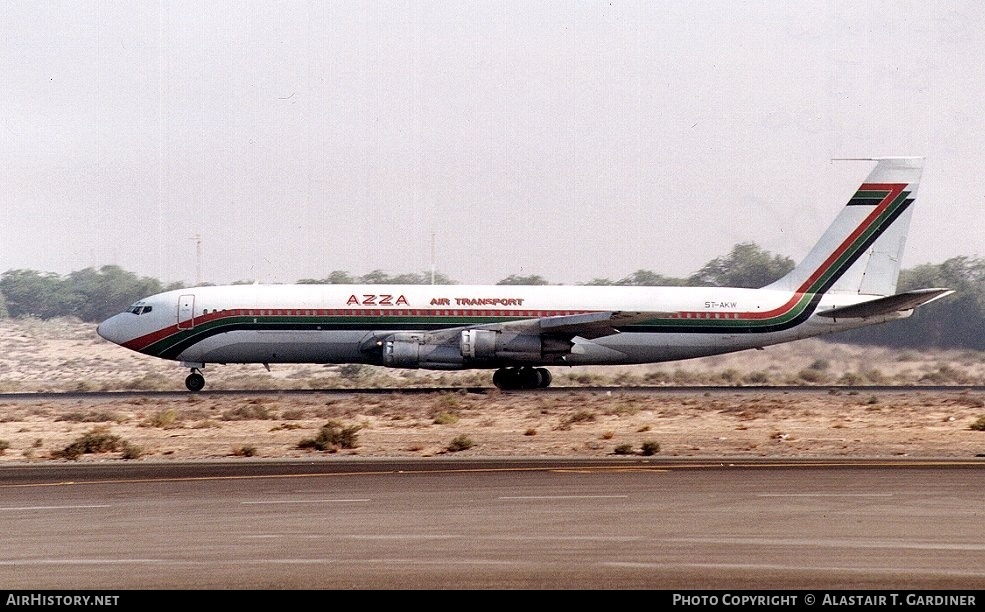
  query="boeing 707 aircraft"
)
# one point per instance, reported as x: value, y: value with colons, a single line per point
x: 848, y: 280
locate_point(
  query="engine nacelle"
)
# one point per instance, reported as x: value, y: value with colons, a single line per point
x: 491, y: 345
x: 407, y: 350
x: 475, y: 346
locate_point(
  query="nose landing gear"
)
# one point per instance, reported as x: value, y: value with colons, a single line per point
x: 195, y: 381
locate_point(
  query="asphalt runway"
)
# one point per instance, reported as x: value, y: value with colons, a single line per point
x: 689, y: 390
x: 621, y: 523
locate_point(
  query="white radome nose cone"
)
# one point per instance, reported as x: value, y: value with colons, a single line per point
x: 112, y: 329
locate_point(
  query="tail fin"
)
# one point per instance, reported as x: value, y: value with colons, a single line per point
x: 860, y: 252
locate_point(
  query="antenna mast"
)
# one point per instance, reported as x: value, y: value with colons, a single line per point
x: 198, y: 258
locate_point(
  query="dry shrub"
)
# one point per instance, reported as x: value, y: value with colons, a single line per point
x: 97, y: 440
x: 331, y: 437
x: 252, y: 411
x: 657, y: 377
x: 580, y: 416
x: 206, y: 424
x: 756, y: 378
x: 164, y: 419
x: 91, y: 417
x: 627, y: 407
x: 813, y: 377
x: 149, y: 382
x: 460, y: 443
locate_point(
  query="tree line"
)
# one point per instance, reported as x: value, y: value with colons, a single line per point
x: 956, y: 321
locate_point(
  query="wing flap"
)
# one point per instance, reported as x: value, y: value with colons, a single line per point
x: 887, y: 305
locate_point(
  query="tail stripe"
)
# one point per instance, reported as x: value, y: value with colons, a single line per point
x: 893, y: 202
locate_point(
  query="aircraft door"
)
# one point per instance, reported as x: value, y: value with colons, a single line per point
x: 186, y: 311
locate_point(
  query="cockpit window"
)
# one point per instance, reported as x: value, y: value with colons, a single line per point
x: 140, y: 308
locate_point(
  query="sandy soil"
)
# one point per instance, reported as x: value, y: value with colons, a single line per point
x: 577, y: 421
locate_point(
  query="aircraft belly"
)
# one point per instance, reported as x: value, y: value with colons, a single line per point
x: 653, y: 348
x: 250, y: 346
x: 591, y: 352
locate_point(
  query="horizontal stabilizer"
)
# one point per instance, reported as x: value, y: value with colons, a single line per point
x: 886, y: 305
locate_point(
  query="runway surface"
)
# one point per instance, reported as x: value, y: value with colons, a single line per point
x: 690, y: 390
x: 445, y: 523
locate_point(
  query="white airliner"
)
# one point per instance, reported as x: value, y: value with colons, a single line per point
x: 848, y: 280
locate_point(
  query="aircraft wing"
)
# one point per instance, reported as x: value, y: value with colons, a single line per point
x: 886, y: 305
x: 586, y: 325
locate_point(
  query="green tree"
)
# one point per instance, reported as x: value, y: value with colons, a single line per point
x: 440, y: 279
x: 599, y: 282
x: 379, y: 277
x: 746, y: 266
x: 515, y: 279
x: 30, y: 293
x: 646, y: 278
x: 88, y: 294
x: 376, y: 277
x: 408, y: 278
x: 97, y: 295
x: 337, y: 277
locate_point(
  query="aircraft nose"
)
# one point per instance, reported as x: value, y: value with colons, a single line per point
x: 112, y: 329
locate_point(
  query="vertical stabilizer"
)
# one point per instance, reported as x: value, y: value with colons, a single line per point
x: 861, y: 250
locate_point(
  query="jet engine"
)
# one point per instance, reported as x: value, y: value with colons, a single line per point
x: 474, y: 347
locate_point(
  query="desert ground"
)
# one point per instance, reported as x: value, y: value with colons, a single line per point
x: 586, y: 414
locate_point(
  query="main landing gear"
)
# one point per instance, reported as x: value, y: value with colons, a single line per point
x: 195, y: 381
x: 522, y: 378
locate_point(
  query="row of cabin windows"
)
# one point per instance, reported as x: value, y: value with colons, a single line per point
x: 142, y: 309
x: 399, y: 312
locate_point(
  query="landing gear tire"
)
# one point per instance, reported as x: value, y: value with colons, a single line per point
x: 522, y: 378
x: 529, y: 378
x: 195, y: 381
x: 505, y: 379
